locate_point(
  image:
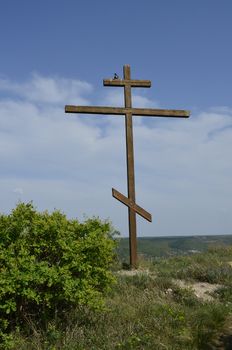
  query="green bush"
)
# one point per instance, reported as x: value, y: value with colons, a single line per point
x: 49, y: 265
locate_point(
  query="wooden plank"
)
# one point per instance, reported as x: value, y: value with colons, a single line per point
x: 130, y: 169
x: 136, y: 208
x: 124, y: 82
x: 123, y: 111
x: 133, y: 238
x: 95, y: 110
x: 149, y: 112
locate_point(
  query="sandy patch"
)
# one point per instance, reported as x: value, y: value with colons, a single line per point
x: 133, y: 272
x: 200, y: 289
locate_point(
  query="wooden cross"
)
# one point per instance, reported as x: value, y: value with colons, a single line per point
x: 128, y: 111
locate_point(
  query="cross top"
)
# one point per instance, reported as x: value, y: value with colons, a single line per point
x: 127, y: 83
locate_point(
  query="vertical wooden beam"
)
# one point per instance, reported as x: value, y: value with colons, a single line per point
x: 130, y: 169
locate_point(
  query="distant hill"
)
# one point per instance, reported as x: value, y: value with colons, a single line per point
x: 171, y: 246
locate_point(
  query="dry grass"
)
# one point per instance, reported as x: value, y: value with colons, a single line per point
x: 150, y: 309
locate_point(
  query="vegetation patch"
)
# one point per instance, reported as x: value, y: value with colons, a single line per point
x: 56, y: 276
x: 48, y: 266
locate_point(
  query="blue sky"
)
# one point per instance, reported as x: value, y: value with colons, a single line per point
x: 57, y: 52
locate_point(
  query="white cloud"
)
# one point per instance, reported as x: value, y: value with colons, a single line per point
x: 48, y: 89
x: 115, y: 98
x: 183, y: 167
x: 18, y: 190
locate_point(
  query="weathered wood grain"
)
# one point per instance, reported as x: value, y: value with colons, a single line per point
x: 136, y: 208
x: 131, y: 82
x: 147, y: 112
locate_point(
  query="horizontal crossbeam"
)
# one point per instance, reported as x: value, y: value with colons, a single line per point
x: 137, y: 209
x: 123, y: 111
x: 131, y: 82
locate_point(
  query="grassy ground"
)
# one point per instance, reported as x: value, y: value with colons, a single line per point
x: 150, y: 310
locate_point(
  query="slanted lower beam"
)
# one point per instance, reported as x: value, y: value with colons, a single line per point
x: 123, y: 111
x: 136, y: 208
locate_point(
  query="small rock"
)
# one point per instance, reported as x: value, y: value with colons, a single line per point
x: 169, y: 291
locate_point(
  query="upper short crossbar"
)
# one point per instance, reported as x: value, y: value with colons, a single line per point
x: 124, y: 82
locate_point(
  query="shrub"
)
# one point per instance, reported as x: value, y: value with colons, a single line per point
x: 48, y: 265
